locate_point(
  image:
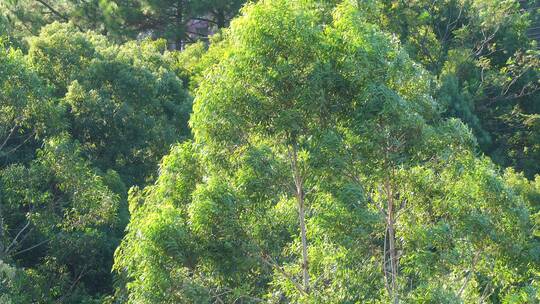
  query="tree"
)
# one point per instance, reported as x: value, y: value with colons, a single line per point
x: 170, y: 19
x: 124, y: 104
x: 328, y: 162
x: 69, y: 122
x: 58, y: 218
x: 311, y: 127
x: 28, y: 112
x: 487, y: 66
x: 173, y: 20
x: 27, y: 17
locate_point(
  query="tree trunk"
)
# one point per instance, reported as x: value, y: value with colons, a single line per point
x: 2, y: 247
x: 393, y: 259
x: 299, y: 183
x: 180, y: 31
x: 392, y: 244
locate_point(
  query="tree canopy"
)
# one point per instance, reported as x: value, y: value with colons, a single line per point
x: 83, y: 119
x: 274, y: 151
x: 326, y: 168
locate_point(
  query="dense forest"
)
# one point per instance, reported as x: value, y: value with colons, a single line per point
x: 271, y: 151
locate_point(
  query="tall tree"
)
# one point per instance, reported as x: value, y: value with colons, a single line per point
x: 124, y: 104
x: 311, y: 126
x: 27, y: 17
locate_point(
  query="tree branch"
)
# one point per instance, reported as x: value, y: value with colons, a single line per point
x: 30, y: 248
x: 17, y: 237
x: 57, y: 13
x: 268, y: 261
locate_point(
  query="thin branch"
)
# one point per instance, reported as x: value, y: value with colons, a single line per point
x: 30, y: 248
x: 11, y: 132
x: 17, y: 237
x: 522, y: 93
x: 18, y: 146
x: 486, y: 293
x: 57, y: 13
x: 52, y: 10
x: 268, y: 261
x: 74, y: 283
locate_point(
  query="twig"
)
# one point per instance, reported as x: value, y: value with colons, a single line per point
x: 17, y: 237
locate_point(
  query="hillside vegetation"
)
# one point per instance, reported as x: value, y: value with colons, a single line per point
x: 274, y: 151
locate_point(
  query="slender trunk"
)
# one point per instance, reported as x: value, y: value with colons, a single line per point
x: 392, y: 244
x: 301, y: 211
x: 299, y: 183
x: 2, y: 247
x: 393, y: 259
x: 385, y: 261
x: 181, y: 31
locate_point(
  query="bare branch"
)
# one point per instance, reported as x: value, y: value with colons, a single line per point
x: 30, y: 248
x: 11, y: 132
x: 14, y: 242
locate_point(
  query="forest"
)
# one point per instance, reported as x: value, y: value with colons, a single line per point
x: 269, y: 151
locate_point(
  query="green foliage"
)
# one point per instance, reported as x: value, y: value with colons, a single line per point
x: 464, y: 218
x: 57, y: 209
x: 124, y: 103
x: 123, y: 20
x: 158, y: 237
x: 7, y: 275
x: 169, y: 19
x: 27, y: 111
x: 335, y: 156
x: 27, y: 17
x: 76, y: 110
x: 487, y: 66
x: 343, y: 108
